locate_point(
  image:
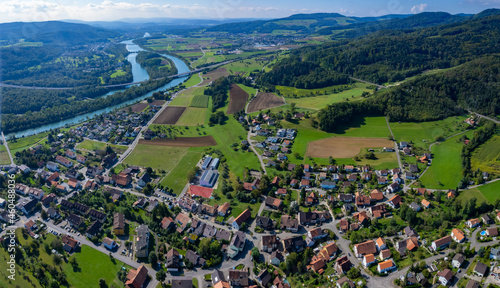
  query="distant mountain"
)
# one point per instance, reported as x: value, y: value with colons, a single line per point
x: 305, y: 23
x: 54, y: 32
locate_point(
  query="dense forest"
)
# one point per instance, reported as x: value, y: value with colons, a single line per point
x: 390, y: 56
x: 157, y: 66
x: 218, y: 91
x: 473, y: 86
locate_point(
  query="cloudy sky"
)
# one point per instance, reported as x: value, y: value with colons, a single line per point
x: 91, y: 10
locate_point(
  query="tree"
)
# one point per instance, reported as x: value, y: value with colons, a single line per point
x: 255, y: 254
x: 44, y: 214
x: 56, y: 244
x: 153, y: 259
x: 353, y: 273
x: 102, y: 283
x: 161, y: 275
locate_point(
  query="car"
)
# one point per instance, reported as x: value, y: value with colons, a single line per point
x: 459, y: 270
x: 78, y: 234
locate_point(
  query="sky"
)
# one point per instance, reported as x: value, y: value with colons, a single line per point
x: 109, y: 10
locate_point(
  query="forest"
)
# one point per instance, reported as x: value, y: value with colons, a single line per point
x: 473, y: 86
x: 156, y: 65
x: 218, y: 91
x: 393, y: 55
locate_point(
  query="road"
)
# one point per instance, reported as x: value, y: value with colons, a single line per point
x: 250, y: 144
x: 485, y: 117
x: 7, y: 147
x: 396, y: 147
x: 359, y: 80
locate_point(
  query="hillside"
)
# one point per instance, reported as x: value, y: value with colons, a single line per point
x: 54, y: 32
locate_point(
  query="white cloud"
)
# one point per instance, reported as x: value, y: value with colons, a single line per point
x: 418, y: 8
x: 44, y: 10
x: 343, y: 11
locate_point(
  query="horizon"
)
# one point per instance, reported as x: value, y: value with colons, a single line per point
x: 109, y: 11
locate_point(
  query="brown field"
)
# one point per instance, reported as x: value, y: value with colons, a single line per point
x: 170, y: 115
x: 237, y: 99
x: 158, y: 102
x: 137, y: 107
x: 214, y: 75
x: 202, y: 141
x: 344, y: 147
x: 264, y: 101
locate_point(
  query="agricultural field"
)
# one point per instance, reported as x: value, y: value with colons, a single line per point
x: 446, y: 169
x: 91, y: 145
x: 200, y: 101
x: 237, y: 99
x: 184, y: 97
x: 490, y: 191
x: 384, y: 160
x: 214, y: 75
x: 4, y: 156
x: 192, y: 116
x: 244, y: 67
x: 20, y: 144
x: 156, y: 157
x: 170, y: 115
x: 201, y: 141
x: 487, y: 156
x: 465, y: 195
x: 424, y: 133
x: 250, y: 90
x: 344, y: 147
x: 139, y: 107
x: 264, y: 101
x: 176, y: 179
x: 192, y: 81
x: 292, y: 92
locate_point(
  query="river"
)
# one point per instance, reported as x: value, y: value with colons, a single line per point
x: 138, y: 73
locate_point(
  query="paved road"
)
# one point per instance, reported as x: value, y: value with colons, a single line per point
x: 396, y: 147
x: 250, y: 144
x: 486, y: 117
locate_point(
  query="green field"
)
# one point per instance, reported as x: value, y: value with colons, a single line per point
x: 184, y: 97
x: 446, y: 169
x: 490, y: 191
x: 244, y: 67
x: 465, y: 195
x: 250, y: 90
x: 416, y: 133
x: 385, y: 160
x: 156, y: 157
x: 176, y: 179
x: 200, y: 101
x: 192, y: 116
x: 96, y: 145
x: 193, y: 80
x: 292, y: 92
x: 118, y: 73
x: 487, y: 156
x: 4, y: 156
x: 23, y: 143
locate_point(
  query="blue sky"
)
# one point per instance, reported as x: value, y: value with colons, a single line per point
x: 91, y: 10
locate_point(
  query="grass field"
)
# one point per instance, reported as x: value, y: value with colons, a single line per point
x: 490, y: 191
x: 95, y: 145
x: 4, y: 156
x: 244, y: 67
x: 446, y: 169
x: 416, y: 133
x: 22, y: 143
x: 185, y: 97
x: 487, y: 156
x: 192, y: 116
x: 176, y: 179
x: 385, y: 160
x: 472, y: 193
x: 318, y: 102
x: 156, y: 157
x: 118, y: 73
x: 251, y: 91
x: 291, y: 92
x: 193, y: 80
x: 200, y: 101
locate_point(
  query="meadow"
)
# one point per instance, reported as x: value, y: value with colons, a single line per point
x: 192, y: 81
x: 184, y: 97
x: 4, y: 156
x: 176, y: 179
x: 96, y: 145
x: 200, y: 101
x: 192, y: 116
x: 157, y: 157
x: 23, y: 143
x: 487, y: 156
x: 490, y: 191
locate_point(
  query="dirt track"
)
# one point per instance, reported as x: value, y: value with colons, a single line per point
x: 237, y: 99
x: 344, y: 147
x: 265, y: 101
x: 170, y: 115
x: 202, y: 141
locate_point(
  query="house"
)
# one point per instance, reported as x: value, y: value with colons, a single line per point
x: 182, y: 282
x: 109, y: 243
x: 53, y: 213
x: 237, y: 244
x: 293, y: 244
x: 118, y: 224
x: 368, y: 260
x: 242, y: 218
x: 346, y: 198
x: 426, y: 204
x: 273, y: 203
x: 410, y: 232
x: 144, y: 179
x: 63, y: 161
x: 385, y: 254
x: 70, y: 154
x: 361, y: 217
x: 458, y: 260
x: 52, y: 166
x: 317, y: 266
x: 192, y: 257
x: 341, y: 283
x: 394, y: 201
x: 380, y: 244
x: 362, y: 200
x: 405, y: 245
x: 378, y: 211
x: 441, y: 243
x: 376, y: 195
x: 269, y: 243
x: 223, y: 209
x: 316, y: 233
x: 137, y: 278
x: 451, y: 194
x: 492, y: 232
x: 304, y: 183
x: 393, y: 187
x: 81, y: 159
x: 94, y: 229
x: 97, y: 215
x: 415, y: 207
x: 208, y: 178
x: 276, y: 258
x: 473, y: 223
x: 342, y: 265
x: 222, y: 234
x: 445, y: 276
x: 343, y: 225
x: 209, y: 209
x: 487, y: 219
x: 472, y: 284
x: 264, y: 222
x: 217, y: 276
x: 364, y: 248
x: 403, y: 144
x: 183, y: 220
x: 238, y: 278
x: 328, y: 252
x: 264, y: 277
x: 382, y: 181
x: 457, y: 235
x: 288, y: 223
x: 495, y: 254
x: 480, y: 269
x: 69, y: 244
x: 386, y: 266
x: 142, y: 241
x: 75, y: 220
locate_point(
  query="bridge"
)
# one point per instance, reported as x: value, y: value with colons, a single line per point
x: 122, y: 84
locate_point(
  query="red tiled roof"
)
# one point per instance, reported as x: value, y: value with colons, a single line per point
x: 200, y: 191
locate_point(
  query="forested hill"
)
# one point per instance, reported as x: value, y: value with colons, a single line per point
x: 54, y: 32
x: 390, y: 56
x: 474, y: 85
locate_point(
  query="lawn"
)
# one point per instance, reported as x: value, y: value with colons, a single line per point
x: 490, y: 191
x: 94, y: 265
x: 200, y: 101
x: 424, y: 133
x: 23, y: 143
x: 96, y: 145
x: 156, y: 157
x: 362, y: 127
x: 192, y: 116
x: 176, y: 179
x: 193, y: 80
x: 446, y: 169
x: 4, y: 156
x: 184, y: 97
x: 487, y: 156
